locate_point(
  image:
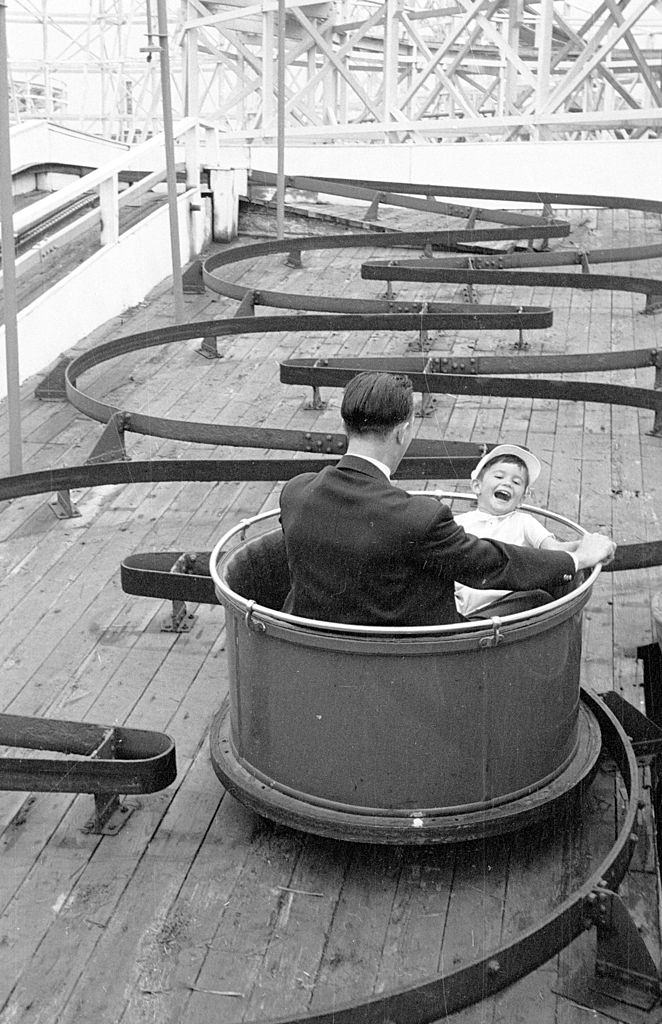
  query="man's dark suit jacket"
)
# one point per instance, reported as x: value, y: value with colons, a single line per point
x: 364, y: 551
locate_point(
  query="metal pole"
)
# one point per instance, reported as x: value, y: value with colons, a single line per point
x: 280, y: 171
x: 171, y: 171
x: 9, y: 260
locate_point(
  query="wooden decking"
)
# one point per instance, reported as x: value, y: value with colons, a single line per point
x: 198, y: 911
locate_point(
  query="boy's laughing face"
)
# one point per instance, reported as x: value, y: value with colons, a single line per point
x: 501, y: 487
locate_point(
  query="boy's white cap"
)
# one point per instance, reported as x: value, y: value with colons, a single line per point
x: 528, y: 458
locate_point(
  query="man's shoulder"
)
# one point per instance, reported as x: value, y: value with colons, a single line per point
x: 426, y: 508
x: 294, y: 486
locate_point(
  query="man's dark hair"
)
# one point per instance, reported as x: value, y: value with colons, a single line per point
x: 375, y: 402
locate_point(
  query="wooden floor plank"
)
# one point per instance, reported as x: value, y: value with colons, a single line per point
x: 197, y: 896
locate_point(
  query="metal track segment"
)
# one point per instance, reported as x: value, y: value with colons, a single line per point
x: 425, y: 272
x: 504, y: 387
x: 115, y: 759
x: 445, y: 994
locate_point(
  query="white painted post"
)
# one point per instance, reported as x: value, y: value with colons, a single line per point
x: 9, y: 261
x: 268, y: 70
x: 226, y: 184
x: 171, y: 170
x: 280, y: 171
x: 391, y: 54
x: 514, y: 24
x: 109, y: 209
x: 544, y: 42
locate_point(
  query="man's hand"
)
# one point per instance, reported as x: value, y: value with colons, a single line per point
x: 594, y: 548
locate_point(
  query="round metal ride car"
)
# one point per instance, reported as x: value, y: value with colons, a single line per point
x: 395, y: 735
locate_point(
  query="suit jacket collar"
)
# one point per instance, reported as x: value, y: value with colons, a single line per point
x: 362, y: 466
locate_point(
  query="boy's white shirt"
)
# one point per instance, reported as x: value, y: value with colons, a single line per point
x: 515, y: 527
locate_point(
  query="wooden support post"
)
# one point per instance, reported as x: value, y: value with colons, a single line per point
x: 226, y: 185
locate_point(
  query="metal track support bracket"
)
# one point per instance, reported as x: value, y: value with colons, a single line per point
x: 373, y: 210
x: 180, y: 619
x: 294, y: 259
x: 653, y: 303
x: 423, y: 342
x: 657, y: 386
x: 53, y: 388
x: 624, y: 968
x: 626, y: 984
x: 110, y: 815
x: 111, y: 446
x: 316, y: 403
x: 247, y: 305
x: 63, y: 506
x: 209, y: 348
x: 547, y: 216
x: 192, y: 280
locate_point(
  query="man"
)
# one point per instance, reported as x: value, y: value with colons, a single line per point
x: 363, y: 551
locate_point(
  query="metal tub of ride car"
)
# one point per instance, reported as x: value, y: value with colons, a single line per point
x: 396, y: 735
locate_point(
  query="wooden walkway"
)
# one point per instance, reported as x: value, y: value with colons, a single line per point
x: 198, y: 911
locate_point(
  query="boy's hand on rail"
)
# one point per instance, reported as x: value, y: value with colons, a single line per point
x: 594, y: 548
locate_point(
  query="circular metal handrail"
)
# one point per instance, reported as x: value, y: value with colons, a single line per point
x: 454, y: 630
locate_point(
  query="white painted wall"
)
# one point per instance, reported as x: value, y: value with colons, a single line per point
x: 40, y: 142
x: 109, y: 282
x: 605, y: 167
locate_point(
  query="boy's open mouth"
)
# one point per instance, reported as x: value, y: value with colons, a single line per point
x: 502, y: 494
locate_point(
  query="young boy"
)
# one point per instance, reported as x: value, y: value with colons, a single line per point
x: 500, y: 481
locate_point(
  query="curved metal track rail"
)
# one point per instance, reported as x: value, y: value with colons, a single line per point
x: 438, y: 997
x: 441, y: 995
x: 430, y: 375
x: 427, y: 241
